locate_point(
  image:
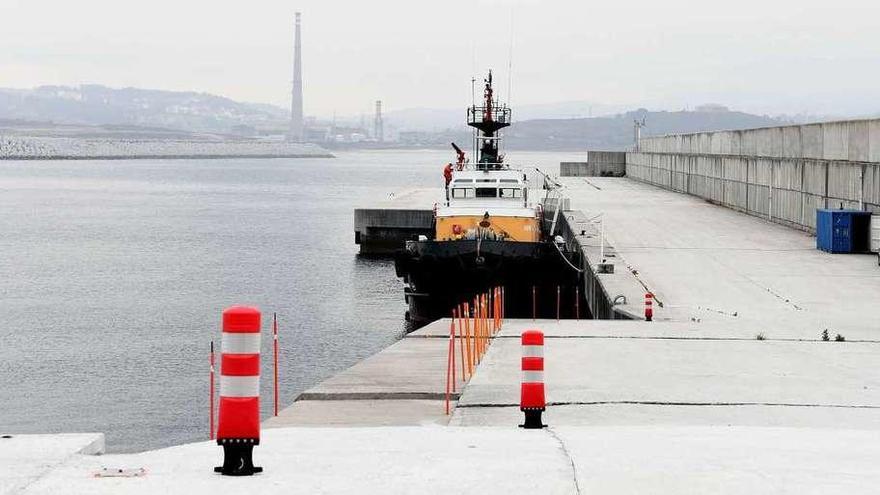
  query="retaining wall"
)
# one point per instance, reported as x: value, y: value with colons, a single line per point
x: 780, y: 173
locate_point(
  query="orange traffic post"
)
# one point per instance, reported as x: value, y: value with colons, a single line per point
x: 238, y: 429
x: 532, y: 402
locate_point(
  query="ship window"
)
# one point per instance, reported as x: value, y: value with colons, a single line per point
x: 460, y: 181
x: 515, y: 181
x: 486, y: 180
x: 487, y: 192
x: 509, y: 192
x: 462, y: 192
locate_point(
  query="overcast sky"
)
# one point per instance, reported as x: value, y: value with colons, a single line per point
x: 765, y: 56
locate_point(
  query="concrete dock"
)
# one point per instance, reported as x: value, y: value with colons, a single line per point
x: 634, y: 407
x: 382, y: 228
x: 704, y: 262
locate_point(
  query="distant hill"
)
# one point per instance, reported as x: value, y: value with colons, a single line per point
x: 616, y: 132
x: 100, y: 105
x: 613, y: 132
x: 436, y: 119
x: 95, y: 111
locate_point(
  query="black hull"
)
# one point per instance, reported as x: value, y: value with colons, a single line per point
x: 442, y: 274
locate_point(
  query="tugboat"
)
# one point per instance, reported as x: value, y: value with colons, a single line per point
x: 487, y: 231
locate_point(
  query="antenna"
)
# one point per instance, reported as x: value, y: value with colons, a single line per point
x: 510, y: 61
x: 637, y: 130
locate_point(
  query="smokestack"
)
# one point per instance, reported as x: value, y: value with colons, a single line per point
x: 378, y: 131
x: 296, y: 100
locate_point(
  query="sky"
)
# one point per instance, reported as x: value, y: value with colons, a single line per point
x: 767, y: 56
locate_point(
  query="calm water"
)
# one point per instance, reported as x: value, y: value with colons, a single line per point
x: 113, y: 275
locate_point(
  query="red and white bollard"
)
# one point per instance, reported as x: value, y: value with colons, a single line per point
x: 531, y: 400
x: 649, y: 306
x: 239, y: 422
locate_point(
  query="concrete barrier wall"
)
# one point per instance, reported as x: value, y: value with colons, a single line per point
x: 853, y: 140
x: 598, y: 164
x: 783, y: 190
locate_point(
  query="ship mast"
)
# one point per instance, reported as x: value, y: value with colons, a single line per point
x: 488, y: 119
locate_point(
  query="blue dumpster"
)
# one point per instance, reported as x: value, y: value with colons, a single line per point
x: 843, y: 231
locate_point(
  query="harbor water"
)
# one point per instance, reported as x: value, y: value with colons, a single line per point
x: 113, y: 275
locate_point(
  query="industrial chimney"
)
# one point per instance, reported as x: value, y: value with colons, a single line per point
x: 378, y: 127
x: 296, y: 100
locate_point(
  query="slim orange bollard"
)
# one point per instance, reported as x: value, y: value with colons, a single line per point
x: 488, y: 317
x: 477, y: 330
x: 456, y: 313
x: 211, y: 392
x: 275, y: 359
x: 449, y: 359
x: 502, y: 305
x: 452, y: 351
x: 467, y: 328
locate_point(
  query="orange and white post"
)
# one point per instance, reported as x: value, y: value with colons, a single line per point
x: 238, y: 430
x: 532, y: 401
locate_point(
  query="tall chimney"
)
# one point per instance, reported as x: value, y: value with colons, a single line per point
x: 378, y: 125
x: 296, y: 99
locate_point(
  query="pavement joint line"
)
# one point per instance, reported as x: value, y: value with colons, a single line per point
x: 332, y: 396
x: 664, y: 403
x: 574, y: 474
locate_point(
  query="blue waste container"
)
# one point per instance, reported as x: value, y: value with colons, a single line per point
x: 842, y: 231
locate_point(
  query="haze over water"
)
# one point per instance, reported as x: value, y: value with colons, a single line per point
x: 113, y: 275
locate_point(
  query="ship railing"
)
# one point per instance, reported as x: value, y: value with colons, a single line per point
x: 485, y: 165
x: 498, y: 114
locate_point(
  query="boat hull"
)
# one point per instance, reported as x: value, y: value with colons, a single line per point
x: 441, y: 274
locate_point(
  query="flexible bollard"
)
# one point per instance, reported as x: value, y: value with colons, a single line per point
x: 239, y: 422
x: 649, y: 306
x: 211, y: 397
x: 531, y: 400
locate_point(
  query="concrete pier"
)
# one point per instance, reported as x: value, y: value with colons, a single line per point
x: 383, y: 228
x: 405, y: 384
x: 704, y: 262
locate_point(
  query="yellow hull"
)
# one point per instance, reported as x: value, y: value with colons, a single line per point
x: 518, y: 229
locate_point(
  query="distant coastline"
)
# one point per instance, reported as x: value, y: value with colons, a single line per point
x: 158, y: 157
x: 65, y: 148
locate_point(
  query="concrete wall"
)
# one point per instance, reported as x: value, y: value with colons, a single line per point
x: 386, y: 230
x: 783, y: 190
x: 852, y: 140
x: 780, y: 173
x: 598, y: 164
